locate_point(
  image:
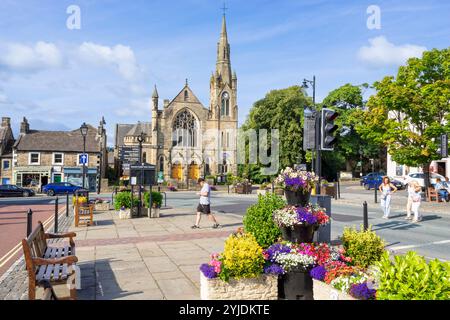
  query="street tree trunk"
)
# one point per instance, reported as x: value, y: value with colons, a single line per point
x: 426, y: 171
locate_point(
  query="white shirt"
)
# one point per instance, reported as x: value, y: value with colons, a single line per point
x: 205, y: 200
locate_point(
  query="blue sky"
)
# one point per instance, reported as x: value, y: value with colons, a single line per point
x: 59, y: 78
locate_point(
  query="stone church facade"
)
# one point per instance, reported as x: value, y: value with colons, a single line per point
x: 189, y: 140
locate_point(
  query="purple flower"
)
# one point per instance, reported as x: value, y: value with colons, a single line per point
x: 208, y: 271
x: 276, y: 249
x: 318, y: 273
x: 361, y: 291
x: 274, y: 269
x: 294, y: 183
x: 305, y: 216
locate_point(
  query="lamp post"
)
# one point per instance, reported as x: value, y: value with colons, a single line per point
x: 141, y: 139
x: 84, y: 130
x: 317, y: 130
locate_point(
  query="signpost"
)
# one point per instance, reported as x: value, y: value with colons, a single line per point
x: 444, y: 146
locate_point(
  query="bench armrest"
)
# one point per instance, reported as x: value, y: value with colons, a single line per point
x: 60, y: 235
x: 44, y: 262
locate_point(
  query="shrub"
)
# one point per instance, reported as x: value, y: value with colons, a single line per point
x: 242, y: 256
x: 363, y: 247
x: 157, y: 198
x: 123, y: 199
x: 410, y: 277
x: 259, y: 222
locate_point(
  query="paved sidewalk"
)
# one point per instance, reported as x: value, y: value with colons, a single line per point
x: 147, y: 258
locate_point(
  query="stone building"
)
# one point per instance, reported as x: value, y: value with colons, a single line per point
x: 6, y: 144
x: 187, y: 140
x: 42, y: 157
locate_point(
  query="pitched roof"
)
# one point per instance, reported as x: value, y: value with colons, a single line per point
x: 5, y: 145
x: 63, y: 141
x: 136, y: 130
x: 191, y: 98
x: 121, y: 132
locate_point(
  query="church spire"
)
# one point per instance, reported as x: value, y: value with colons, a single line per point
x: 223, y: 65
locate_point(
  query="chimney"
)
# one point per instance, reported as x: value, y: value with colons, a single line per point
x: 166, y: 103
x: 24, y: 126
x: 6, y: 122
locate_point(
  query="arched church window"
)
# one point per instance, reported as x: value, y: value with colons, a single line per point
x: 185, y: 129
x: 161, y: 164
x: 225, y: 110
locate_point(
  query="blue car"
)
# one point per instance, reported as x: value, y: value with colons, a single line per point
x: 60, y: 188
x: 373, y: 180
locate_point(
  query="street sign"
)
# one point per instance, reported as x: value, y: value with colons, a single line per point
x: 129, y: 154
x: 444, y: 146
x: 160, y: 177
x: 83, y: 158
x: 309, y: 133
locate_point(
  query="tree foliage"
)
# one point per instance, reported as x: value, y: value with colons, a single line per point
x: 410, y: 111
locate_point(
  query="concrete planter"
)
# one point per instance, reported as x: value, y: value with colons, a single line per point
x: 323, y: 291
x: 154, y: 214
x: 105, y: 206
x: 125, y: 214
x: 264, y: 287
x: 261, y: 192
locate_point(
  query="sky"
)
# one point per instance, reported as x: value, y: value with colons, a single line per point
x: 60, y: 71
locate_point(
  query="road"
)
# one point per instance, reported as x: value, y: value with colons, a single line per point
x: 430, y: 238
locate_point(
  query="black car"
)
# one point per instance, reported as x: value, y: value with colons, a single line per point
x: 10, y: 190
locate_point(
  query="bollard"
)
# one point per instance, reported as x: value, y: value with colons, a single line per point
x: 273, y: 187
x: 335, y: 190
x: 365, y: 216
x: 29, y: 221
x: 228, y: 188
x: 67, y: 204
x: 339, y: 188
x: 56, y: 215
x: 150, y: 204
x: 376, y: 190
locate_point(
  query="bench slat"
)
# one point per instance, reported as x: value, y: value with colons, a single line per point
x: 48, y: 272
x: 47, y: 252
x: 64, y: 267
x: 59, y: 253
x: 41, y: 273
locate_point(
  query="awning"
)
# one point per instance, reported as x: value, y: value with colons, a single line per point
x: 78, y: 170
x: 32, y: 169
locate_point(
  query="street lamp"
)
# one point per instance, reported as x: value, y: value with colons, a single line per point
x: 141, y: 139
x: 305, y: 85
x: 84, y: 131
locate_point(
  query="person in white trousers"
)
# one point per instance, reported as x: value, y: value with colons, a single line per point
x: 387, y: 189
x: 416, y: 200
x: 411, y: 193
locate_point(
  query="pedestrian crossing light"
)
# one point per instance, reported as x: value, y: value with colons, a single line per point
x: 328, y: 129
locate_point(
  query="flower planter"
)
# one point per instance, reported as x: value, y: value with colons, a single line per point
x: 298, y: 234
x: 297, y: 198
x: 261, y: 192
x: 264, y: 287
x: 154, y: 214
x: 105, y: 206
x: 323, y: 291
x: 295, y: 285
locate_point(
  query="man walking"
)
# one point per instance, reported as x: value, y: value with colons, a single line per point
x: 204, y: 205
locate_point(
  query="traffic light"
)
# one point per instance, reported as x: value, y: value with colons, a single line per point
x: 328, y: 129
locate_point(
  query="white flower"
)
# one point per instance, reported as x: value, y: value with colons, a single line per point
x: 293, y: 259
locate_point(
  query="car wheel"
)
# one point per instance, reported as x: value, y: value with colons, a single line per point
x: 51, y: 193
x: 26, y: 194
x: 367, y: 187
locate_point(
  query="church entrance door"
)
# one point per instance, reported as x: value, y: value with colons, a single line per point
x: 194, y: 171
x: 176, y: 171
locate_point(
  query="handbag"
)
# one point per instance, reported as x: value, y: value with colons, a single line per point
x: 416, y: 198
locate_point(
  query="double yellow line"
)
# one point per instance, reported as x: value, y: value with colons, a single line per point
x: 10, y: 254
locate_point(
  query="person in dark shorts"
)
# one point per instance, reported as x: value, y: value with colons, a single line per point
x: 204, y: 205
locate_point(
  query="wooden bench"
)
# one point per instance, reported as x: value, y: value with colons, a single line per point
x: 49, y: 264
x: 432, y: 193
x: 84, y: 214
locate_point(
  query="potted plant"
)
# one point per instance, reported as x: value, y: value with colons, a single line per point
x: 101, y: 205
x: 298, y: 224
x: 238, y: 273
x: 157, y: 198
x: 297, y: 185
x: 122, y: 204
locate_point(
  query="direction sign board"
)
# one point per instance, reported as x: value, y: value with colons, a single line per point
x: 129, y: 154
x: 444, y: 146
x: 83, y: 158
x: 309, y: 133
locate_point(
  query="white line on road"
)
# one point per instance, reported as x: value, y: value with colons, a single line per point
x: 420, y: 245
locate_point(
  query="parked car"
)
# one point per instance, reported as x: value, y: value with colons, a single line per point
x: 420, y: 178
x: 374, y: 181
x: 369, y: 176
x: 10, y: 190
x: 52, y: 189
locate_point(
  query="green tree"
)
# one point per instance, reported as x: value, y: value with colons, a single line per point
x: 410, y: 111
x: 282, y: 110
x: 351, y: 147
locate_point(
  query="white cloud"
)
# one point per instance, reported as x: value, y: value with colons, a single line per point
x: 121, y: 57
x: 20, y: 57
x: 137, y: 107
x: 381, y: 52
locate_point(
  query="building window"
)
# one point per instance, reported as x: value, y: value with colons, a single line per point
x: 225, y: 110
x: 161, y: 164
x: 34, y: 158
x: 186, y: 95
x: 185, y: 130
x: 58, y: 158
x: 144, y: 157
x: 399, y: 170
x: 6, y: 164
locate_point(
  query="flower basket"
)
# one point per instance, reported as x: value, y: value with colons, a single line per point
x: 323, y: 291
x: 103, y: 206
x: 263, y: 287
x: 297, y: 198
x: 296, y: 285
x: 299, y: 233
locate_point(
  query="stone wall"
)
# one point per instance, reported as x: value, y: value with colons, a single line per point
x: 323, y: 291
x: 265, y: 287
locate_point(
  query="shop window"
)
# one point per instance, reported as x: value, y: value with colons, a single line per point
x: 6, y: 164
x: 34, y: 158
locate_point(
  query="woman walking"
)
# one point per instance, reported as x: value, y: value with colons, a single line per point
x: 411, y: 193
x: 386, y: 188
x: 416, y: 199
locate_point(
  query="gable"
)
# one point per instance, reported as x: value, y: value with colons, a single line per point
x: 186, y: 98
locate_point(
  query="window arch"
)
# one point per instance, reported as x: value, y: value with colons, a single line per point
x: 161, y: 164
x: 186, y: 95
x: 185, y: 129
x: 225, y: 109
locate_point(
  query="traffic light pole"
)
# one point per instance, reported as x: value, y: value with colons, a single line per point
x: 318, y: 153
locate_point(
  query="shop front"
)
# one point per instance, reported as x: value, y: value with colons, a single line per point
x: 74, y: 175
x: 32, y: 177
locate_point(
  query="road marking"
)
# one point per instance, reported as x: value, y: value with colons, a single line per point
x: 10, y: 254
x: 420, y: 245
